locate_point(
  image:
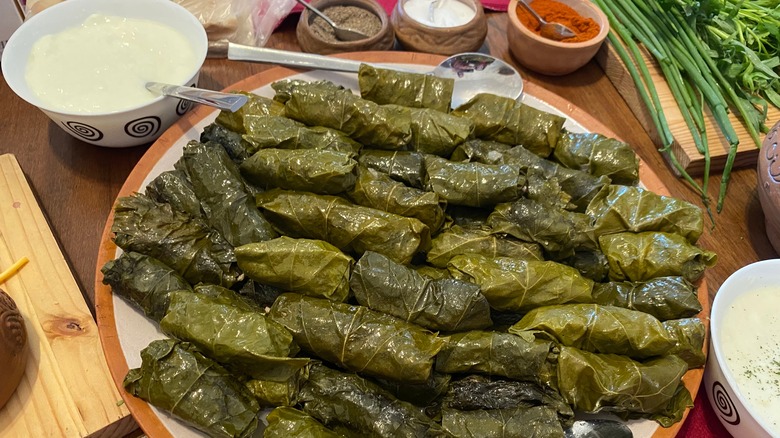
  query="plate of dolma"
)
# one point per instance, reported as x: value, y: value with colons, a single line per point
x: 351, y: 268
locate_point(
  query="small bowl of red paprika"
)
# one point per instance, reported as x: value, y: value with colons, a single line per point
x: 552, y: 57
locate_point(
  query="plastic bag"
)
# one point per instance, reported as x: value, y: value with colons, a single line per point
x: 249, y: 22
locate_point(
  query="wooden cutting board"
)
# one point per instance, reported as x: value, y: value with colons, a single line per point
x: 683, y: 147
x: 67, y: 390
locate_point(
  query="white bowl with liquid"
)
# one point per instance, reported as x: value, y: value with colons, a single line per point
x: 742, y: 376
x: 137, y: 124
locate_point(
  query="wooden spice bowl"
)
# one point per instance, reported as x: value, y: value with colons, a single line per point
x: 310, y: 42
x: 550, y: 57
x: 419, y: 37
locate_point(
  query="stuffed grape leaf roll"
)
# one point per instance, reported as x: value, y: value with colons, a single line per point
x: 176, y: 377
x: 473, y: 184
x: 663, y: 297
x: 310, y: 267
x: 383, y: 285
x: 414, y: 90
x: 270, y: 394
x: 283, y: 133
x: 600, y: 329
x: 591, y: 263
x: 225, y: 199
x: 537, y: 421
x: 405, y: 166
x: 438, y: 133
x: 347, y: 226
x: 188, y: 245
x: 689, y: 334
x: 559, y: 232
x: 255, y: 106
x: 521, y: 285
x: 505, y: 120
x: 174, y: 188
x: 358, y: 338
x: 242, y: 339
x: 650, y: 254
x: 311, y: 170
x: 286, y: 422
x: 348, y: 400
x: 594, y: 382
x: 458, y: 240
x: 370, y: 124
x: 598, y: 155
x: 234, y: 144
x: 144, y: 281
x: 378, y: 190
x: 520, y: 358
x: 623, y: 208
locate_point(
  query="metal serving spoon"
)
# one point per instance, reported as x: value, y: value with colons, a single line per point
x: 473, y: 73
x: 598, y: 428
x: 342, y: 33
x: 551, y: 30
x: 224, y: 101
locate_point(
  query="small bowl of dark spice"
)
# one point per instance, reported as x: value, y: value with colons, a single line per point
x: 368, y: 17
x: 547, y: 56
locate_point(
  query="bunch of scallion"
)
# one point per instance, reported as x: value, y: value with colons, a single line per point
x: 718, y: 53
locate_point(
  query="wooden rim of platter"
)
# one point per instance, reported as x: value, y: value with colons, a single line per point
x: 104, y: 308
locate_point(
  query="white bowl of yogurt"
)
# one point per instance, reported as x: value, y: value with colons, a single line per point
x: 85, y: 64
x: 742, y: 377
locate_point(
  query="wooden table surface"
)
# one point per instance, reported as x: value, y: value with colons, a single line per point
x: 76, y: 183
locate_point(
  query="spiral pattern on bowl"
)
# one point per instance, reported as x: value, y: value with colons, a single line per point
x: 143, y: 127
x: 728, y: 412
x: 83, y: 130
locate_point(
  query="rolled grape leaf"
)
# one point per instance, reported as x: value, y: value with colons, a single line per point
x: 144, y: 281
x: 522, y: 285
x: 174, y: 188
x: 560, y: 232
x: 505, y: 120
x: 594, y: 382
x: 581, y: 187
x: 480, y: 151
x: 378, y: 190
x: 228, y: 297
x: 599, y: 156
x: 479, y: 392
x: 255, y: 106
x: 635, y: 209
x: 285, y: 422
x: 496, y: 354
x: 224, y: 198
x: 357, y: 338
x: 663, y: 297
x: 244, y: 340
x: 538, y: 421
x: 310, y: 267
x: 383, y: 285
x: 591, y: 263
x: 650, y: 254
x: 310, y: 170
x: 404, y: 166
x: 175, y: 377
x: 234, y: 144
x: 473, y: 184
x: 283, y: 133
x: 458, y: 240
x: 432, y: 272
x: 269, y: 393
x: 347, y: 226
x: 689, y: 334
x: 600, y: 329
x: 370, y: 124
x: 415, y: 90
x: 186, y: 244
x: 438, y: 133
x: 675, y: 409
x: 337, y: 398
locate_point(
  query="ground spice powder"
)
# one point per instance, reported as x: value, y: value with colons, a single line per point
x: 553, y: 11
x: 350, y: 17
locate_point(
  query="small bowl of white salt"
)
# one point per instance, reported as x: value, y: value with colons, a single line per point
x: 364, y: 16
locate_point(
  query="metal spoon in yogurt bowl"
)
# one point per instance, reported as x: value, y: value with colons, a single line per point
x: 224, y: 101
x: 473, y: 73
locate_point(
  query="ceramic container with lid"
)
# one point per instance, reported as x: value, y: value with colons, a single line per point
x: 415, y: 33
x: 384, y: 39
x: 13, y: 347
x: 769, y: 184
